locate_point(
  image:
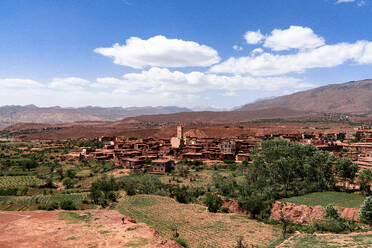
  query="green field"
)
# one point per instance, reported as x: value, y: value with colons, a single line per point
x: 357, y: 240
x: 195, y: 224
x: 19, y: 181
x: 31, y: 202
x: 340, y: 199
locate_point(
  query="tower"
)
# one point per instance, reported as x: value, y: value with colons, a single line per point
x: 180, y: 132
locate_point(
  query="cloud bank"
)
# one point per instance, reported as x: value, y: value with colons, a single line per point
x: 160, y: 51
x: 185, y: 73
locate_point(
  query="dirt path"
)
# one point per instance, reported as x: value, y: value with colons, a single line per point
x: 288, y: 240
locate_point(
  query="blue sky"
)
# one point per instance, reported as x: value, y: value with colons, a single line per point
x: 171, y: 52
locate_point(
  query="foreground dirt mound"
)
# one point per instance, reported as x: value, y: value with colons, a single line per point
x: 94, y: 228
x: 305, y: 214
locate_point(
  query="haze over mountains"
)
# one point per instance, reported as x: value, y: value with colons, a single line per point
x: 10, y: 115
x: 352, y: 97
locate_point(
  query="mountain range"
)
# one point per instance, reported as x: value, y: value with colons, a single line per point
x: 348, y: 98
x: 12, y: 114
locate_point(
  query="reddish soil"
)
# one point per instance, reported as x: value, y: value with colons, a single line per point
x: 104, y: 228
x: 233, y: 206
x: 305, y: 214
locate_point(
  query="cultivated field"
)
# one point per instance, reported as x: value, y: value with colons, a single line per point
x: 195, y: 224
x: 340, y: 199
x: 32, y: 202
x: 354, y: 240
x: 19, y: 181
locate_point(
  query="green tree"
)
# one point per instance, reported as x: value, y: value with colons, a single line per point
x: 102, y: 190
x: 346, y: 170
x: 365, y: 212
x: 364, y: 177
x: 254, y: 205
x: 318, y: 169
x: 281, y: 168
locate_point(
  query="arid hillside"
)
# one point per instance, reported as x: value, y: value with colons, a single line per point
x: 351, y: 97
x: 208, y: 117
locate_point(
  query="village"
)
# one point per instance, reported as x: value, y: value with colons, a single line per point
x: 158, y: 156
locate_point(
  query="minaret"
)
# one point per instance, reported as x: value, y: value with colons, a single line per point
x: 180, y: 132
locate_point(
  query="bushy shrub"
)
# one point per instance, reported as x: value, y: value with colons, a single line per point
x: 254, y: 205
x: 181, y: 241
x: 334, y: 223
x: 213, y: 202
x: 328, y: 225
x: 52, y: 206
x: 331, y: 212
x: 68, y: 183
x: 225, y: 210
x: 8, y: 191
x: 142, y: 184
x: 68, y: 205
x: 182, y: 195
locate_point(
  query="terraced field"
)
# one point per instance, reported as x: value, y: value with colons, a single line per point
x: 195, y: 224
x: 19, y: 181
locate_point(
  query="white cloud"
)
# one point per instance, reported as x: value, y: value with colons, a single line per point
x: 295, y: 37
x: 161, y: 52
x: 16, y: 83
x: 253, y: 37
x: 359, y: 3
x: 237, y: 48
x: 327, y: 56
x: 366, y: 55
x: 344, y: 1
x: 70, y: 83
x: 156, y: 86
x: 257, y: 51
x: 161, y: 80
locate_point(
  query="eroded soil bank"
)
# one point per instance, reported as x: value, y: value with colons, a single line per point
x: 305, y: 214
